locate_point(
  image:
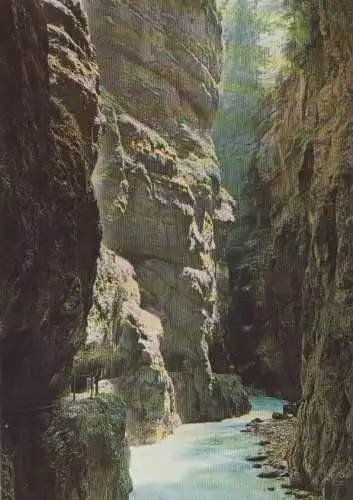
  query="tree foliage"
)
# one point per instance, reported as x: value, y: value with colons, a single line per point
x: 302, y: 28
x: 244, y: 98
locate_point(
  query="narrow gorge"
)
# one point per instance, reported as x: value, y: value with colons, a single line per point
x: 175, y: 187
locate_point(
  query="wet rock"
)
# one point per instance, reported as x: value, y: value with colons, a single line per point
x: 257, y: 458
x: 290, y: 408
x: 254, y: 421
x: 270, y: 474
x: 278, y: 416
x: 264, y: 442
x: 301, y: 494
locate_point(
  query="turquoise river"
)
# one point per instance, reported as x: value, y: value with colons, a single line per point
x: 205, y: 461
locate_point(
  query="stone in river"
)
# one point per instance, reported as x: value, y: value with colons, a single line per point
x: 270, y: 474
x: 256, y: 458
x: 264, y: 442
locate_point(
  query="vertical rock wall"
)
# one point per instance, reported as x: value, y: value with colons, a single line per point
x: 309, y: 150
x: 158, y: 180
x: 49, y: 246
x: 254, y: 38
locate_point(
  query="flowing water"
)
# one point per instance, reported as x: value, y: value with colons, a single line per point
x: 205, y: 462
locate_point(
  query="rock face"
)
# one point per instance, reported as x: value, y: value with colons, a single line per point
x: 91, y: 453
x: 310, y: 277
x: 73, y: 70
x: 137, y: 371
x: 251, y: 40
x: 158, y: 181
x: 50, y: 243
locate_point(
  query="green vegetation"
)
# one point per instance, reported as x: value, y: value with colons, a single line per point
x: 7, y: 487
x: 251, y: 77
x: 227, y: 385
x: 87, y: 439
x: 211, y: 9
x: 108, y: 101
x: 90, y: 456
x: 302, y: 23
x: 244, y: 98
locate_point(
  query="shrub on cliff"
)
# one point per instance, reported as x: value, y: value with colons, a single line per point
x: 228, y: 392
x: 87, y: 439
x: 303, y: 29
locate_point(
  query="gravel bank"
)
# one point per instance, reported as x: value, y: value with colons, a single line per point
x: 275, y: 438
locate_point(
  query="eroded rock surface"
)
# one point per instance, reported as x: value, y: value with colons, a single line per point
x: 245, y: 114
x: 311, y: 221
x: 50, y: 243
x: 158, y: 180
x: 74, y: 77
x: 131, y: 335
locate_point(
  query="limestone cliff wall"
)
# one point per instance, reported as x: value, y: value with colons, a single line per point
x: 158, y: 181
x: 74, y: 76
x: 309, y: 281
x: 49, y: 245
x: 254, y: 38
x: 129, y: 339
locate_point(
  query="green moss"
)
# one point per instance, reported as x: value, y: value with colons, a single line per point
x: 211, y: 10
x: 7, y: 487
x: 225, y: 196
x: 54, y: 63
x: 108, y: 101
x: 67, y: 151
x: 303, y: 29
x: 226, y: 383
x: 87, y: 439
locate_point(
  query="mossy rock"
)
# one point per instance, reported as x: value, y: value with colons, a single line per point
x: 7, y: 475
x: 278, y: 416
x: 90, y: 452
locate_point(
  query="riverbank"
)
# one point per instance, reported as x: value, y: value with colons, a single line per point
x: 275, y: 439
x: 206, y: 461
x: 278, y: 436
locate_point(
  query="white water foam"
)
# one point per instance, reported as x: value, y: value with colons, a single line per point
x: 205, y: 462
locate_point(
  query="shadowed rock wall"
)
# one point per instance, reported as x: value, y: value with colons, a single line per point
x: 50, y: 241
x: 309, y: 281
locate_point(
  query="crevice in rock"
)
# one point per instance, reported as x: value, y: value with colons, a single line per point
x: 307, y: 168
